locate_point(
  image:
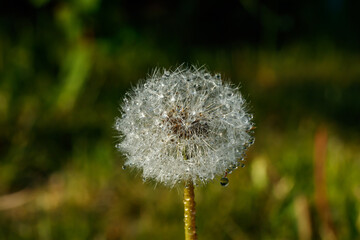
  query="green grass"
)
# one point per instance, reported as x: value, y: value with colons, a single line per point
x: 61, y: 178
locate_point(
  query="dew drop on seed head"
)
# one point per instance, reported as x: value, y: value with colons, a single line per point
x: 123, y: 167
x: 207, y: 76
x: 224, y: 181
x: 242, y: 165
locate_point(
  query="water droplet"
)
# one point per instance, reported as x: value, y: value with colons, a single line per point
x: 218, y: 76
x: 167, y: 74
x: 123, y: 167
x: 242, y: 165
x: 224, y: 181
x: 118, y: 145
x: 207, y: 76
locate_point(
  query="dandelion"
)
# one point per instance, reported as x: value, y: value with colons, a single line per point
x: 184, y: 126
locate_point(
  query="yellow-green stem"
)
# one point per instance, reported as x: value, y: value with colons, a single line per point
x: 189, y: 211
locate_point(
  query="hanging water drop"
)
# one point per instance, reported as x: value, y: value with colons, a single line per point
x: 123, y: 167
x: 224, y: 181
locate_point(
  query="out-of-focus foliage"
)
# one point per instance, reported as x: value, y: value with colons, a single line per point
x: 65, y: 66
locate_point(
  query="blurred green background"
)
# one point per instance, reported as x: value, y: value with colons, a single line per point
x: 65, y: 66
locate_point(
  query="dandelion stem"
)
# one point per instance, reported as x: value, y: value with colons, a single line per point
x: 189, y: 211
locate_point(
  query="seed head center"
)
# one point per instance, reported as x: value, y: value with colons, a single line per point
x: 185, y: 126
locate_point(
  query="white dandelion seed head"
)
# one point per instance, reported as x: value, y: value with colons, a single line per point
x: 184, y: 125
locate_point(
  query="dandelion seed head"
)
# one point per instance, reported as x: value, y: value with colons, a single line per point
x: 184, y: 125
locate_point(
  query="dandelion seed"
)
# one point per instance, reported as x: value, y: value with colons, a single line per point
x: 184, y: 125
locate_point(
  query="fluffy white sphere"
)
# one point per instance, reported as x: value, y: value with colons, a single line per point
x: 184, y: 125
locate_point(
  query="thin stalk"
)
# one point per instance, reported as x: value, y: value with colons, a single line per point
x: 189, y: 211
